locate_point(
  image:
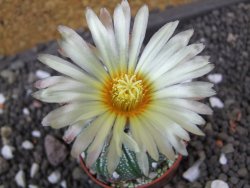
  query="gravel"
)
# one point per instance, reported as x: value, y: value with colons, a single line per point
x: 226, y: 34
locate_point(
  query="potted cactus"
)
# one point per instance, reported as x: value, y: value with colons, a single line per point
x: 129, y: 111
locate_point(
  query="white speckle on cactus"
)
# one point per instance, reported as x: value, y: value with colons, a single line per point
x: 115, y: 175
x: 152, y: 175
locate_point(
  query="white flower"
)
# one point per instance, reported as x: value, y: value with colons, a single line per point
x: 111, y: 87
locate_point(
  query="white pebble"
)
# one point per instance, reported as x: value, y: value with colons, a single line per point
x: 193, y: 172
x: 154, y: 164
x: 36, y: 133
x: 33, y: 186
x: 216, y: 102
x: 115, y: 175
x: 215, y: 78
x: 27, y: 145
x: 34, y: 169
x: 20, y: 178
x: 219, y: 184
x: 223, y: 159
x: 63, y: 184
x: 42, y: 74
x: 2, y: 98
x: 54, y: 177
x: 7, y: 152
x: 152, y: 175
x: 26, y: 111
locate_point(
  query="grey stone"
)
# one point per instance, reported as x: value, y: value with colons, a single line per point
x: 5, y: 134
x: 228, y: 148
x: 234, y: 180
x: 242, y: 172
x: 17, y: 65
x: 78, y: 173
x: 8, y: 75
x: 55, y: 150
x: 241, y: 130
x: 223, y: 177
x: 4, y: 165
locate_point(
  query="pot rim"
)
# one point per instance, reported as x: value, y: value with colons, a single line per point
x: 168, y: 172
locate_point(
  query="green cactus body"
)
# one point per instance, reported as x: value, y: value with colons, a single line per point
x: 127, y: 170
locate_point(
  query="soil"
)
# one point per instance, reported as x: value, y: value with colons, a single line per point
x: 23, y: 24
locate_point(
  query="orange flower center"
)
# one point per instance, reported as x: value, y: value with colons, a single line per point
x: 127, y: 94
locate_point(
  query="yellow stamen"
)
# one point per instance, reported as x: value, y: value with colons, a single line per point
x: 126, y: 94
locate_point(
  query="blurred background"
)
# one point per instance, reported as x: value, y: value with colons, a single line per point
x: 33, y: 156
x: 26, y: 23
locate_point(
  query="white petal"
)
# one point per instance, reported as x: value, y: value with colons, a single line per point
x: 98, y: 143
x: 138, y: 35
x: 194, y: 68
x: 106, y: 19
x: 73, y: 131
x: 65, y: 84
x: 160, y: 138
x: 178, y: 111
x: 182, y: 55
x: 118, y: 131
x: 113, y: 158
x: 103, y: 40
x: 127, y: 14
x: 186, y: 119
x: 154, y: 46
x: 176, y: 43
x: 66, y: 68
x: 186, y: 90
x: 130, y: 143
x: 143, y: 163
x: 50, y: 96
x: 194, y: 106
x: 70, y: 113
x: 170, y: 130
x: 178, y: 144
x: 78, y: 50
x: 121, y: 35
x: 146, y: 137
x: 50, y: 81
x: 87, y: 135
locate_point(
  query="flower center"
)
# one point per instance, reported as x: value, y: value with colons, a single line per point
x: 127, y: 92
